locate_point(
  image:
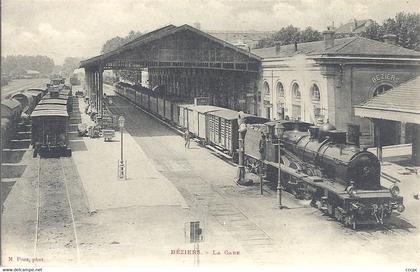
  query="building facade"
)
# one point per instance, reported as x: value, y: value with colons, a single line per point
x: 320, y: 81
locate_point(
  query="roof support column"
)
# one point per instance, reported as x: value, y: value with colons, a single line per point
x: 100, y: 92
x: 376, y: 124
x: 416, y: 145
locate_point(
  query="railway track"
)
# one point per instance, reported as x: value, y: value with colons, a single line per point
x: 212, y: 200
x: 55, y: 231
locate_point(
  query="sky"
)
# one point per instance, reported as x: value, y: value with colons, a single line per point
x: 79, y: 28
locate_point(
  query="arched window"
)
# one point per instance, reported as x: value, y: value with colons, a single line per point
x: 296, y: 103
x: 280, y: 90
x: 381, y: 89
x: 296, y: 91
x: 280, y: 100
x: 266, y: 88
x: 316, y: 96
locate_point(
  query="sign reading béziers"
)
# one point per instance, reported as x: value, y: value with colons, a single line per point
x: 385, y: 77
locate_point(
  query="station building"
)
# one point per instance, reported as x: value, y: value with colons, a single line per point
x: 313, y: 82
x: 325, y: 80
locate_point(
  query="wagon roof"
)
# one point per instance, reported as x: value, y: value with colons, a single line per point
x: 49, y: 113
x: 283, y: 122
x: 65, y: 92
x: 50, y: 107
x: 203, y: 108
x: 33, y: 92
x: 61, y: 97
x: 10, y: 103
x: 182, y: 105
x: 53, y: 101
x: 227, y: 114
x: 25, y: 94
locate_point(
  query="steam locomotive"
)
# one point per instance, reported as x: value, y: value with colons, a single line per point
x: 318, y: 163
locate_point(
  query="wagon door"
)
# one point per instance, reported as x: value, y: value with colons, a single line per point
x: 202, y: 125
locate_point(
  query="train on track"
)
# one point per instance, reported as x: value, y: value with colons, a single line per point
x: 46, y: 111
x: 17, y: 109
x: 50, y: 123
x: 214, y: 126
x: 316, y: 163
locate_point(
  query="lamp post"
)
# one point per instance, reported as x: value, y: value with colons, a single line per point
x: 279, y: 131
x: 241, y: 166
x: 122, y: 166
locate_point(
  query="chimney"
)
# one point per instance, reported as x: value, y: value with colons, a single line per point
x: 390, y: 39
x: 328, y: 37
x: 278, y: 47
x: 197, y: 25
x: 295, y: 46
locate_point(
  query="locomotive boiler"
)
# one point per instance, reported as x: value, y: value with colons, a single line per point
x: 317, y: 163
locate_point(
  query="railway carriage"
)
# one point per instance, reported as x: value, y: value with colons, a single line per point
x: 223, y: 128
x: 50, y: 131
x: 153, y: 108
x: 8, y: 130
x: 195, y: 118
x: 56, y: 101
x: 11, y: 109
x: 26, y: 100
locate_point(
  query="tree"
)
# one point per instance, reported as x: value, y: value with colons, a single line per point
x: 112, y: 44
x: 117, y: 42
x: 17, y: 65
x: 310, y: 35
x: 406, y: 26
x: 287, y: 35
x: 373, y: 31
x: 69, y: 65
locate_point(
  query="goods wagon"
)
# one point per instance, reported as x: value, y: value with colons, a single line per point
x: 195, y: 118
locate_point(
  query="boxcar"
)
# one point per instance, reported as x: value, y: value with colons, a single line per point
x: 223, y: 128
x: 11, y: 109
x: 161, y: 106
x: 183, y: 115
x: 26, y: 100
x: 196, y: 119
x: 8, y: 130
x: 145, y: 102
x: 153, y: 104
x: 50, y: 132
x: 56, y: 101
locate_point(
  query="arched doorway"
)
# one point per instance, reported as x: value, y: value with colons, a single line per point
x: 266, y: 101
x: 296, y: 102
x: 280, y: 100
x: 390, y: 131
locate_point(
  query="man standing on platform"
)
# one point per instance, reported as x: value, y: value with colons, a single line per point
x: 187, y: 138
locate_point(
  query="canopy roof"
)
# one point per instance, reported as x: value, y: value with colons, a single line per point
x: 399, y: 104
x: 142, y: 52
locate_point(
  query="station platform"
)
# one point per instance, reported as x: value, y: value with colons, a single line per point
x: 97, y: 164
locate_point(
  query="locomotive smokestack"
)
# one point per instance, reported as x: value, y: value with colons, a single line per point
x: 314, y: 132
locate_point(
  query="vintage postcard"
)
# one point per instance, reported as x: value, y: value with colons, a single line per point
x: 210, y: 133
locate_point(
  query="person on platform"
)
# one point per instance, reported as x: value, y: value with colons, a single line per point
x: 187, y: 138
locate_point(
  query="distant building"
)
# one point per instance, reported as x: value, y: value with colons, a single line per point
x: 31, y: 74
x: 324, y: 80
x: 354, y: 27
x: 249, y: 38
